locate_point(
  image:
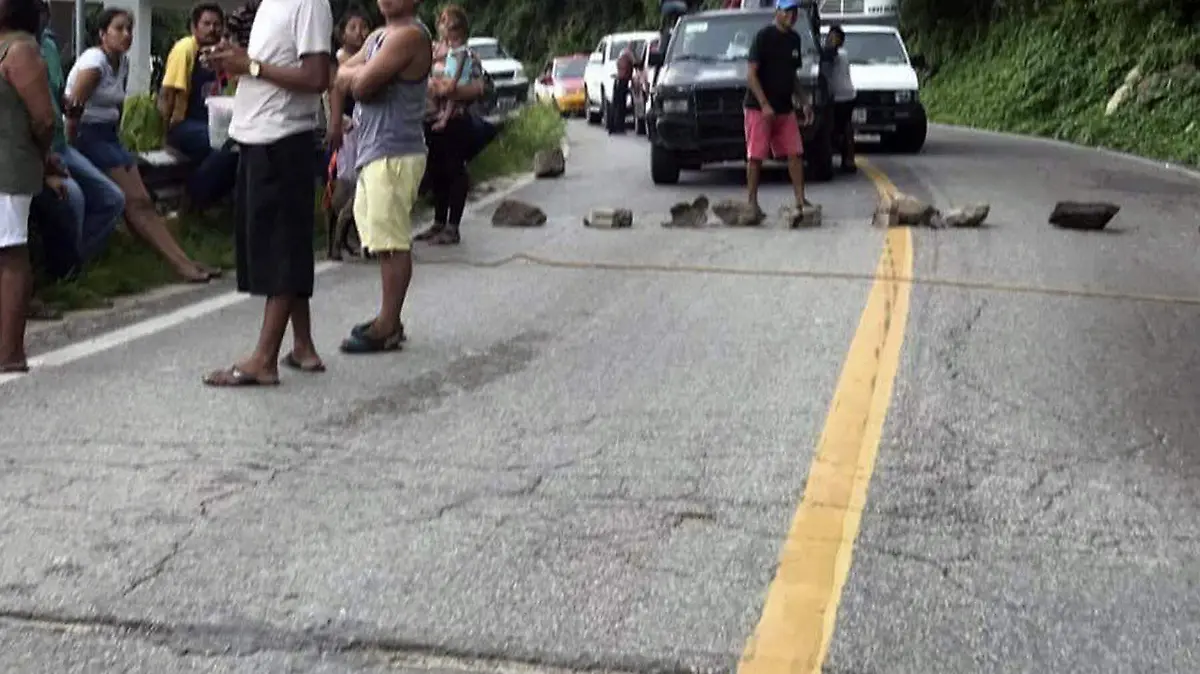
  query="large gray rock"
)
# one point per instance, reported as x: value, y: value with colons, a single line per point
x: 549, y: 163
x: 914, y: 212
x: 694, y: 214
x: 736, y: 213
x: 513, y: 213
x: 609, y: 218
x: 795, y: 218
x: 968, y: 216
x: 887, y: 212
x: 1083, y: 215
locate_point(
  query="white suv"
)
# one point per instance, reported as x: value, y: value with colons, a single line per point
x: 602, y: 71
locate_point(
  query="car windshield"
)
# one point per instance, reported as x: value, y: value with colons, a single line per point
x: 489, y: 50
x: 875, y: 49
x: 725, y: 38
x: 615, y: 47
x: 571, y: 68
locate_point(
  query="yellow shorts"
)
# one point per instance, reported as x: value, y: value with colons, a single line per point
x: 383, y: 202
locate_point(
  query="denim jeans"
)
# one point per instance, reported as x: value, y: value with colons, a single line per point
x: 76, y: 228
x: 216, y: 170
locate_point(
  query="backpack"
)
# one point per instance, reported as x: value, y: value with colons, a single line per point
x: 489, y: 87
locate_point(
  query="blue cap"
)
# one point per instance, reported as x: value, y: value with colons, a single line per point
x: 785, y: 5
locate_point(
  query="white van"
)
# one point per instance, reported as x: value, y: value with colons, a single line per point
x: 601, y: 71
x: 888, y: 102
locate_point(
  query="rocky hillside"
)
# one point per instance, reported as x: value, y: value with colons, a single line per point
x: 1123, y: 74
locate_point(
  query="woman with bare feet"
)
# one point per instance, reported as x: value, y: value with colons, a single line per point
x: 26, y: 129
x: 95, y: 97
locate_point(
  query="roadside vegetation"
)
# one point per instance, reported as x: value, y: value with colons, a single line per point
x: 129, y: 267
x: 1051, y: 69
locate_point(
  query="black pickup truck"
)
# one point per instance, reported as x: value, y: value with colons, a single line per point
x: 695, y: 115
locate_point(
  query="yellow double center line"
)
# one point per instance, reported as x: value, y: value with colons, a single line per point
x: 798, y: 619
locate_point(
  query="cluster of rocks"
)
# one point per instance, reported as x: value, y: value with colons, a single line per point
x: 736, y: 213
x: 903, y: 210
x: 896, y: 210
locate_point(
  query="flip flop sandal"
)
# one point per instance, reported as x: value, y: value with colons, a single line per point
x: 430, y: 233
x: 235, y: 377
x: 290, y: 361
x: 361, y: 329
x: 363, y: 343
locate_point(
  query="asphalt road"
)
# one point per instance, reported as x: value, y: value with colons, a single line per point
x: 591, y: 451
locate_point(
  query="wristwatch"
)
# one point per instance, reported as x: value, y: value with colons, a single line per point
x: 254, y: 69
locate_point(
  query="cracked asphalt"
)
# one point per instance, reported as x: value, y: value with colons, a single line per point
x: 581, y: 461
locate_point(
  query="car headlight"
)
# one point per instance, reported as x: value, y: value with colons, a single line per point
x: 906, y: 96
x: 519, y: 73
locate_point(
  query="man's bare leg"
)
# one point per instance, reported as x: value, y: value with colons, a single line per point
x: 304, y: 351
x: 264, y: 361
x: 796, y: 173
x: 395, y: 274
x: 753, y: 177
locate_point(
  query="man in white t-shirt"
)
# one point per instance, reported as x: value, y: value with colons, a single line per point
x: 282, y: 73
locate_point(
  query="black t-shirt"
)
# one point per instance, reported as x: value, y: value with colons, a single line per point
x: 779, y: 54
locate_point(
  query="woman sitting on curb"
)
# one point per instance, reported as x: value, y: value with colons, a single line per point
x: 96, y: 95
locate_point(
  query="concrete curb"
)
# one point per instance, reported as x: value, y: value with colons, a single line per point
x: 1181, y: 169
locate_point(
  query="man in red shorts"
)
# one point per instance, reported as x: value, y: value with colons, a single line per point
x: 771, y: 124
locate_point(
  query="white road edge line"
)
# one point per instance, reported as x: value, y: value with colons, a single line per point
x: 156, y: 324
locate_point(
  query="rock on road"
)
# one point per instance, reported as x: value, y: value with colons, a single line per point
x: 592, y: 456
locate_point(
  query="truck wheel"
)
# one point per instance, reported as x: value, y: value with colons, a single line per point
x: 910, y: 139
x: 664, y: 168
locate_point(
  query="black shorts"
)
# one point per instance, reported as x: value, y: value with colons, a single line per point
x: 274, y: 217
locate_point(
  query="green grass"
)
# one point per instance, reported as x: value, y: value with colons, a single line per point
x: 1052, y: 73
x: 536, y: 128
x: 129, y: 266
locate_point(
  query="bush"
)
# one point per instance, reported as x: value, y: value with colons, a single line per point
x: 534, y: 128
x: 141, y: 125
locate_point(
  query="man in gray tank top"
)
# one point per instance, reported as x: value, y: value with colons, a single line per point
x: 388, y: 79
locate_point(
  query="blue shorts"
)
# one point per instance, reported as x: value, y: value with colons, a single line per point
x: 101, y: 144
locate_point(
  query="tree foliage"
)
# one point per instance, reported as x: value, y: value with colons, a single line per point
x: 1051, y: 68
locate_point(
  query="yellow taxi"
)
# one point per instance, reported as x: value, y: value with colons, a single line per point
x: 561, y: 84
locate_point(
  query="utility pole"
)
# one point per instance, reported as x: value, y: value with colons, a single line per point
x: 80, y: 20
